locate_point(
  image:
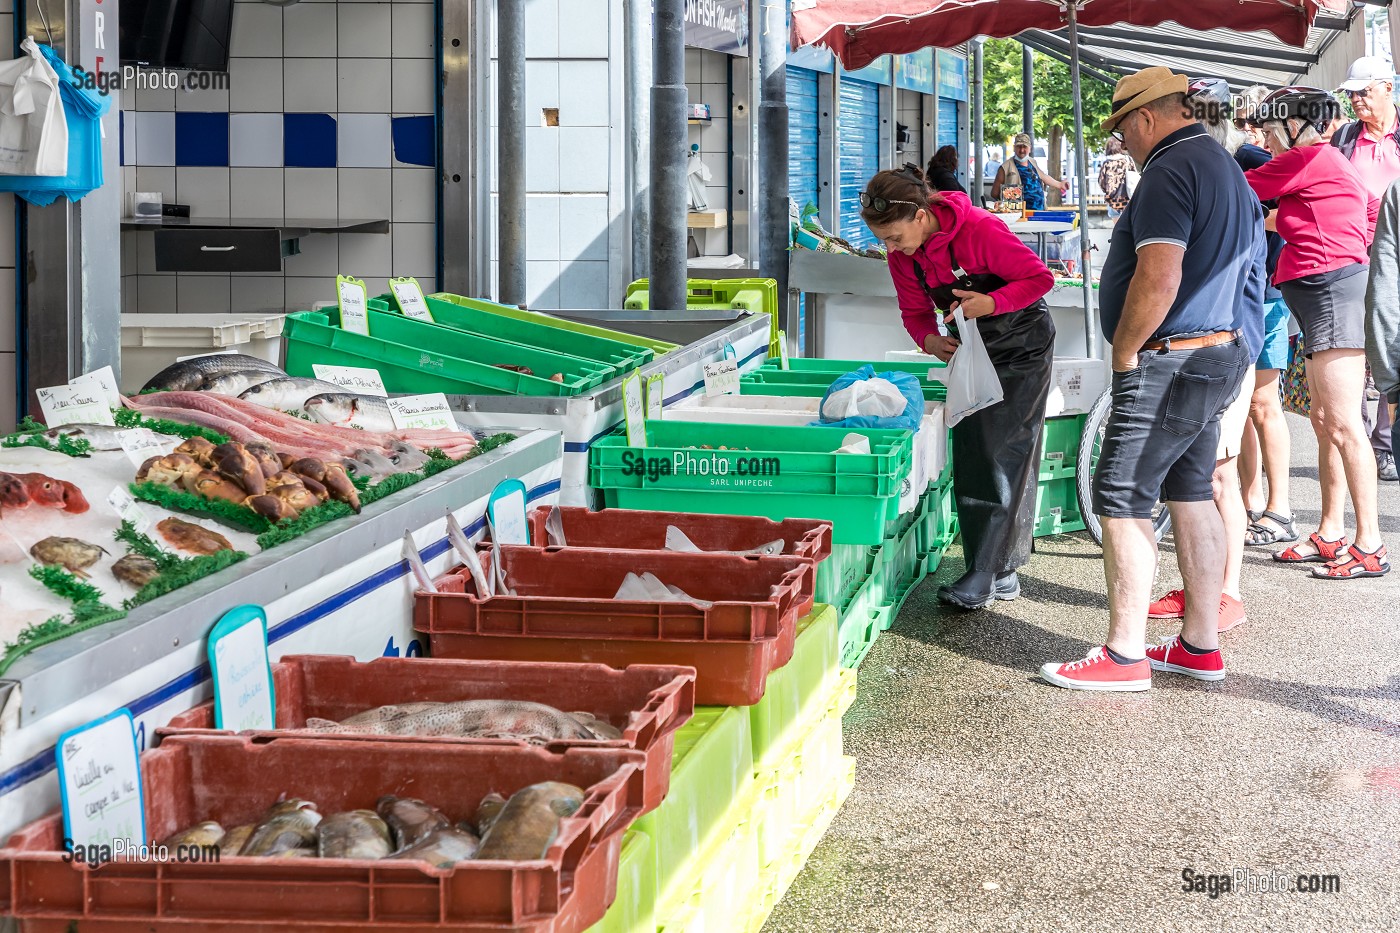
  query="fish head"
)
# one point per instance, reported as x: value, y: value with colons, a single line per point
x: 74, y: 502
x: 43, y: 490
x: 12, y: 494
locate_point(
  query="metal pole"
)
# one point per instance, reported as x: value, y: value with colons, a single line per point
x: 668, y: 154
x: 773, y: 147
x: 637, y: 15
x: 976, y: 181
x: 1027, y: 91
x: 1091, y: 329
x: 510, y: 148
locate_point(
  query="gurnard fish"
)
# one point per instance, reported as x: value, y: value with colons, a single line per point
x: 529, y: 823
x: 192, y: 375
x: 509, y: 719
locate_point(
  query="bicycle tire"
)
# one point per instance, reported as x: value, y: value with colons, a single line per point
x: 1089, y: 445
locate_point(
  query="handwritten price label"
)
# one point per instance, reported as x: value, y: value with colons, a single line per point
x: 354, y: 304
x: 352, y: 379
x: 422, y: 412
x: 70, y: 404
x: 141, y: 444
x: 721, y: 378
x: 408, y: 294
x: 634, y: 410
x: 104, y: 381
x: 656, y: 396
x: 99, y: 780
x: 242, y: 678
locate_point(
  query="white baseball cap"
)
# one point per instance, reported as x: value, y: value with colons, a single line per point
x: 1365, y: 71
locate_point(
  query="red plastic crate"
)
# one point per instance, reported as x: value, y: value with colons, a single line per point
x: 629, y: 529
x: 233, y: 779
x: 565, y: 612
x: 647, y: 702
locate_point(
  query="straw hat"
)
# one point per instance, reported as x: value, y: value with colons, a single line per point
x: 1142, y: 88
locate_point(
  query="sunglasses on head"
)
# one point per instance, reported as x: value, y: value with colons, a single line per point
x: 910, y: 172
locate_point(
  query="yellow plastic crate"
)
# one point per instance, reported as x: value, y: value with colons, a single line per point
x: 634, y: 910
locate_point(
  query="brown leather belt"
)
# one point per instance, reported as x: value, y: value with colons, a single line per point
x: 1192, y: 343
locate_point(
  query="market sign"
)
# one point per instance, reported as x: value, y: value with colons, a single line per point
x: 952, y: 76
x: 915, y: 72
x: 718, y: 25
x: 880, y: 71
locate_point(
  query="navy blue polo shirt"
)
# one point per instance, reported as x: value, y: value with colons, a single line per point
x: 1194, y: 195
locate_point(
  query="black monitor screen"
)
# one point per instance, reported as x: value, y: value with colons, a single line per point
x: 176, y: 33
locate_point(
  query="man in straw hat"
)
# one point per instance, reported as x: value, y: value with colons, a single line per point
x: 1024, y: 171
x: 1185, y: 268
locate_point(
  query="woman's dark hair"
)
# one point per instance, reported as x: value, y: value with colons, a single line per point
x: 945, y: 159
x: 905, y: 189
x: 1114, y: 146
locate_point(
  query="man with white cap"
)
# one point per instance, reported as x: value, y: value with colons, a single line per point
x: 1022, y: 170
x: 1372, y: 144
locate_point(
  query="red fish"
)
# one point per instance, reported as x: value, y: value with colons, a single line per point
x: 44, y: 491
x: 12, y: 494
x: 73, y: 499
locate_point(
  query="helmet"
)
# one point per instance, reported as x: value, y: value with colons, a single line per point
x: 1210, y: 90
x: 1315, y: 107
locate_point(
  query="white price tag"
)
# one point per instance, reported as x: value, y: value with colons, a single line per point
x: 506, y: 510
x: 721, y: 378
x: 352, y: 378
x: 243, y: 696
x: 129, y: 510
x: 422, y: 412
x: 74, y: 405
x: 782, y: 349
x: 141, y: 444
x: 634, y: 411
x: 409, y: 296
x: 102, y: 379
x: 353, y: 301
x: 99, y: 779
x: 656, y: 396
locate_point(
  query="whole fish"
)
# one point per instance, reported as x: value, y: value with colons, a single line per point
x: 207, y: 833
x: 529, y: 823
x: 486, y: 812
x: 100, y: 436
x: 191, y: 375
x: 601, y: 729
x: 367, y: 412
x: 43, y: 490
x: 135, y: 570
x: 411, y: 820
x: 287, y: 394
x: 380, y: 464
x: 382, y: 713
x: 442, y: 848
x: 512, y: 719
x: 407, y: 457
x: 356, y: 834
x: 239, y: 381
x: 288, y: 825
x: 234, y: 839
x: 12, y: 493
x: 71, y: 554
x: 193, y: 538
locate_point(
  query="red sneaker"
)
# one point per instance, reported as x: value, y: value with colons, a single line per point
x: 1231, y: 614
x: 1099, y: 672
x: 1170, y: 606
x: 1170, y: 656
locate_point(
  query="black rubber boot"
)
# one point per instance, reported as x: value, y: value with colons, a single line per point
x: 976, y: 589
x: 1008, y: 586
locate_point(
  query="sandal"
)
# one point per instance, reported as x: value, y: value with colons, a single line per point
x: 1281, y: 531
x: 1326, y: 551
x: 1254, y: 514
x: 1358, y: 564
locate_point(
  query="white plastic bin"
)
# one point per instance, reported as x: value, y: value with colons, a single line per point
x: 151, y: 342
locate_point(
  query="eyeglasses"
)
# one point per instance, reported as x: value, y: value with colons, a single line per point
x: 1117, y: 132
x: 1364, y: 92
x: 882, y: 204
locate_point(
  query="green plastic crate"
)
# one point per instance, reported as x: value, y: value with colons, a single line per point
x: 466, y: 317
x: 860, y: 624
x: 757, y: 296
x: 711, y: 771
x: 417, y: 357
x: 657, y: 347
x: 904, y: 566
x: 634, y: 910
x: 1060, y: 450
x: 840, y: 574
x: 818, y: 365
x: 812, y: 385
x: 777, y: 720
x: 1057, y: 507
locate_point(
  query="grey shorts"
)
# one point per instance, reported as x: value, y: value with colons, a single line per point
x: 1330, y: 308
x: 1163, y: 430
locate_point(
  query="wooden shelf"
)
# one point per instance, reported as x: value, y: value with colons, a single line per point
x: 707, y: 220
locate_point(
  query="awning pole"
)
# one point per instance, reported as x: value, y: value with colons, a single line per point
x: 1091, y: 330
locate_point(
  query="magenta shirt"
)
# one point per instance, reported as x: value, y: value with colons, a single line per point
x: 1377, y: 164
x: 1322, y: 210
x: 984, y: 244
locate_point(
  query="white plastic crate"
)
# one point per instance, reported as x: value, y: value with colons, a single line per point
x: 151, y: 342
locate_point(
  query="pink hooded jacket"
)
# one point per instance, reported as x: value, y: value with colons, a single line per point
x: 983, y: 244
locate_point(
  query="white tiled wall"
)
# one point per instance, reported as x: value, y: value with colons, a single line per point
x: 361, y: 62
x: 7, y: 274
x: 707, y: 80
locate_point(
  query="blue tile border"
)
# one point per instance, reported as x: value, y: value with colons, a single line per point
x: 201, y: 139
x: 415, y: 142
x: 309, y: 140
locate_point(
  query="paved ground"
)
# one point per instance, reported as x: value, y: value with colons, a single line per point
x: 987, y: 800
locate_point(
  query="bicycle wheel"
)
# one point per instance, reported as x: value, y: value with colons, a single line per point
x: 1089, y: 447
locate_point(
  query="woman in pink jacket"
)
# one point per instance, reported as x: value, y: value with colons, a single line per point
x: 1322, y: 209
x: 946, y: 254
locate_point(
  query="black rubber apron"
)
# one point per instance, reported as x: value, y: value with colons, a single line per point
x: 996, y: 452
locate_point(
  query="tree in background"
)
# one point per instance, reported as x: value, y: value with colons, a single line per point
x: 1053, y: 110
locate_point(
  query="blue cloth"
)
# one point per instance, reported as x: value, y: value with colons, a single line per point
x: 909, y: 387
x: 83, y: 109
x: 1193, y: 194
x: 1275, y: 352
x: 1032, y: 188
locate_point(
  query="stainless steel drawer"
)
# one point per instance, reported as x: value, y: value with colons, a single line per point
x: 201, y: 250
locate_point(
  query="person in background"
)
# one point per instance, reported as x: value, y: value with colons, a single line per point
x: 1383, y: 306
x: 1209, y: 101
x: 1184, y: 271
x: 1116, y: 178
x: 943, y: 170
x: 945, y: 254
x: 1023, y: 171
x: 1372, y: 144
x: 1322, y: 274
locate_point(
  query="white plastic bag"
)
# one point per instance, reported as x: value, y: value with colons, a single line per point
x: 33, y: 128
x: 868, y: 398
x: 677, y: 540
x: 648, y: 588
x: 973, y: 383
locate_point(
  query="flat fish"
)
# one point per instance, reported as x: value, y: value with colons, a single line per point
x: 529, y: 822
x: 287, y: 394
x: 510, y: 719
x: 367, y: 412
x: 191, y: 375
x: 191, y: 537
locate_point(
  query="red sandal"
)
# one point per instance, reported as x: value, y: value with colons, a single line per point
x: 1358, y: 564
x: 1327, y: 551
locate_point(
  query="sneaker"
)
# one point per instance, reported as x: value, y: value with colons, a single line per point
x: 1170, y: 606
x: 1385, y: 468
x: 1170, y: 656
x: 1231, y: 613
x: 1099, y: 672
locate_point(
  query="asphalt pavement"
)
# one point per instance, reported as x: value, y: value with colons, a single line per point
x: 986, y: 799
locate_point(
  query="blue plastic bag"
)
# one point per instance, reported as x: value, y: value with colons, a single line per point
x: 83, y: 110
x: 909, y: 387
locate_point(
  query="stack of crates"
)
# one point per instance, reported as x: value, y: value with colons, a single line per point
x: 757, y: 296
x: 1057, y: 492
